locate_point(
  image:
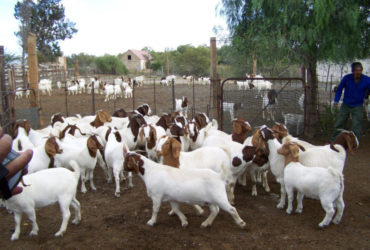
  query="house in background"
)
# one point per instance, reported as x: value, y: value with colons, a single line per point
x: 135, y: 60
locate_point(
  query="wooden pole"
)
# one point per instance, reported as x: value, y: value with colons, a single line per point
x: 4, y: 96
x: 76, y: 70
x: 33, y: 72
x: 215, y: 82
x: 254, y: 65
x: 167, y: 67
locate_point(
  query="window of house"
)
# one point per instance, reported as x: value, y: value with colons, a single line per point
x: 129, y: 57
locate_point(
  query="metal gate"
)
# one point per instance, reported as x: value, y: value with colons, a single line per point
x: 251, y: 103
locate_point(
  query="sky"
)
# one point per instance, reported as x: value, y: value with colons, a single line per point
x: 114, y: 26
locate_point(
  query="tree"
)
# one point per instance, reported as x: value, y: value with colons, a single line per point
x: 23, y: 12
x: 109, y: 64
x: 10, y: 58
x: 302, y: 30
x: 48, y: 22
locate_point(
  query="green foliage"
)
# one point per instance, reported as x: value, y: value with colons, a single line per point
x: 86, y: 63
x: 10, y: 58
x: 327, y: 120
x: 156, y: 65
x: 49, y: 24
x: 109, y: 64
x: 300, y: 30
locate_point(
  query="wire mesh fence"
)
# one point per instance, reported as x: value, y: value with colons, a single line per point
x: 254, y: 105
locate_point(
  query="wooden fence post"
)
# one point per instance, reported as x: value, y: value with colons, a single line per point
x: 33, y: 72
x: 215, y: 82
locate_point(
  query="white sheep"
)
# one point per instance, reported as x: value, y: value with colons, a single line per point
x: 45, y: 188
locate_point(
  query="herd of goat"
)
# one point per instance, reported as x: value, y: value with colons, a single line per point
x: 120, y: 88
x: 179, y: 160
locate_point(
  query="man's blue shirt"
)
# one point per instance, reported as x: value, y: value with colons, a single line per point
x: 354, y: 93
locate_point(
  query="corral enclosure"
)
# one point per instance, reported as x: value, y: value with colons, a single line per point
x: 120, y: 223
x: 110, y: 222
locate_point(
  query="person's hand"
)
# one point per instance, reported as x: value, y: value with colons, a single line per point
x: 17, y: 164
x: 335, y: 105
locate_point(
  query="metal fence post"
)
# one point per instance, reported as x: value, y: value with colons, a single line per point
x: 155, y: 102
x: 93, y: 97
x: 173, y: 95
x: 193, y: 109
x: 66, y: 97
x: 133, y: 95
x: 114, y: 96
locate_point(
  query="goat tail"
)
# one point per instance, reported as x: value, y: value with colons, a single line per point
x: 75, y: 167
x: 338, y: 174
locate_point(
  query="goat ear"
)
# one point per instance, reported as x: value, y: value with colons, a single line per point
x: 27, y: 126
x: 51, y: 147
x: 124, y: 150
x: 301, y: 147
x: 141, y: 133
x: 349, y: 143
x: 237, y: 128
x: 135, y: 164
x: 294, y: 150
x: 176, y: 148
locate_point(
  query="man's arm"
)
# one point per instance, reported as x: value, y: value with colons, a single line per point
x: 338, y: 93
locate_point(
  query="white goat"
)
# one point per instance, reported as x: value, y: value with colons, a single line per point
x: 45, y: 188
x: 324, y: 184
x: 114, y: 159
x: 128, y: 92
x: 192, y: 186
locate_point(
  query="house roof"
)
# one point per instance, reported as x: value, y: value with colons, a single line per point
x: 142, y: 54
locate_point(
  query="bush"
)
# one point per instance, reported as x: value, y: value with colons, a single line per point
x: 109, y: 64
x: 327, y: 120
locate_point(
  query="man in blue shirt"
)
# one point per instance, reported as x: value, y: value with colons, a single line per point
x: 355, y: 86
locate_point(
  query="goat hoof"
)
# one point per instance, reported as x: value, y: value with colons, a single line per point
x: 204, y: 225
x: 150, y: 223
x: 322, y: 225
x: 76, y: 222
x: 185, y: 224
x: 14, y: 237
x: 267, y: 189
x: 298, y: 211
x: 242, y: 225
x: 33, y: 233
x: 288, y: 211
x: 117, y: 194
x: 280, y: 206
x: 58, y: 234
x: 336, y: 221
x: 171, y: 213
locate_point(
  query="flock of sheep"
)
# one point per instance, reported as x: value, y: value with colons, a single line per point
x: 180, y: 160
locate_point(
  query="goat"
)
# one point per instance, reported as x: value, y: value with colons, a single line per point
x: 324, y: 184
x: 182, y: 106
x: 151, y: 134
x: 269, y: 103
x: 45, y: 188
x: 193, y: 186
x: 114, y: 158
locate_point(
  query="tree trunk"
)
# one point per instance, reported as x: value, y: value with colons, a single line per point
x: 312, y: 121
x: 24, y: 69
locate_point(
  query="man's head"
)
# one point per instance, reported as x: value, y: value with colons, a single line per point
x: 356, y: 68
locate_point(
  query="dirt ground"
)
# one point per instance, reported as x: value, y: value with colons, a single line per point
x: 120, y: 223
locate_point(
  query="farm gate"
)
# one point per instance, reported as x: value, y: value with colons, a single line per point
x: 248, y: 103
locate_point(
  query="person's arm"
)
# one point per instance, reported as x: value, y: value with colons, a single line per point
x: 338, y: 93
